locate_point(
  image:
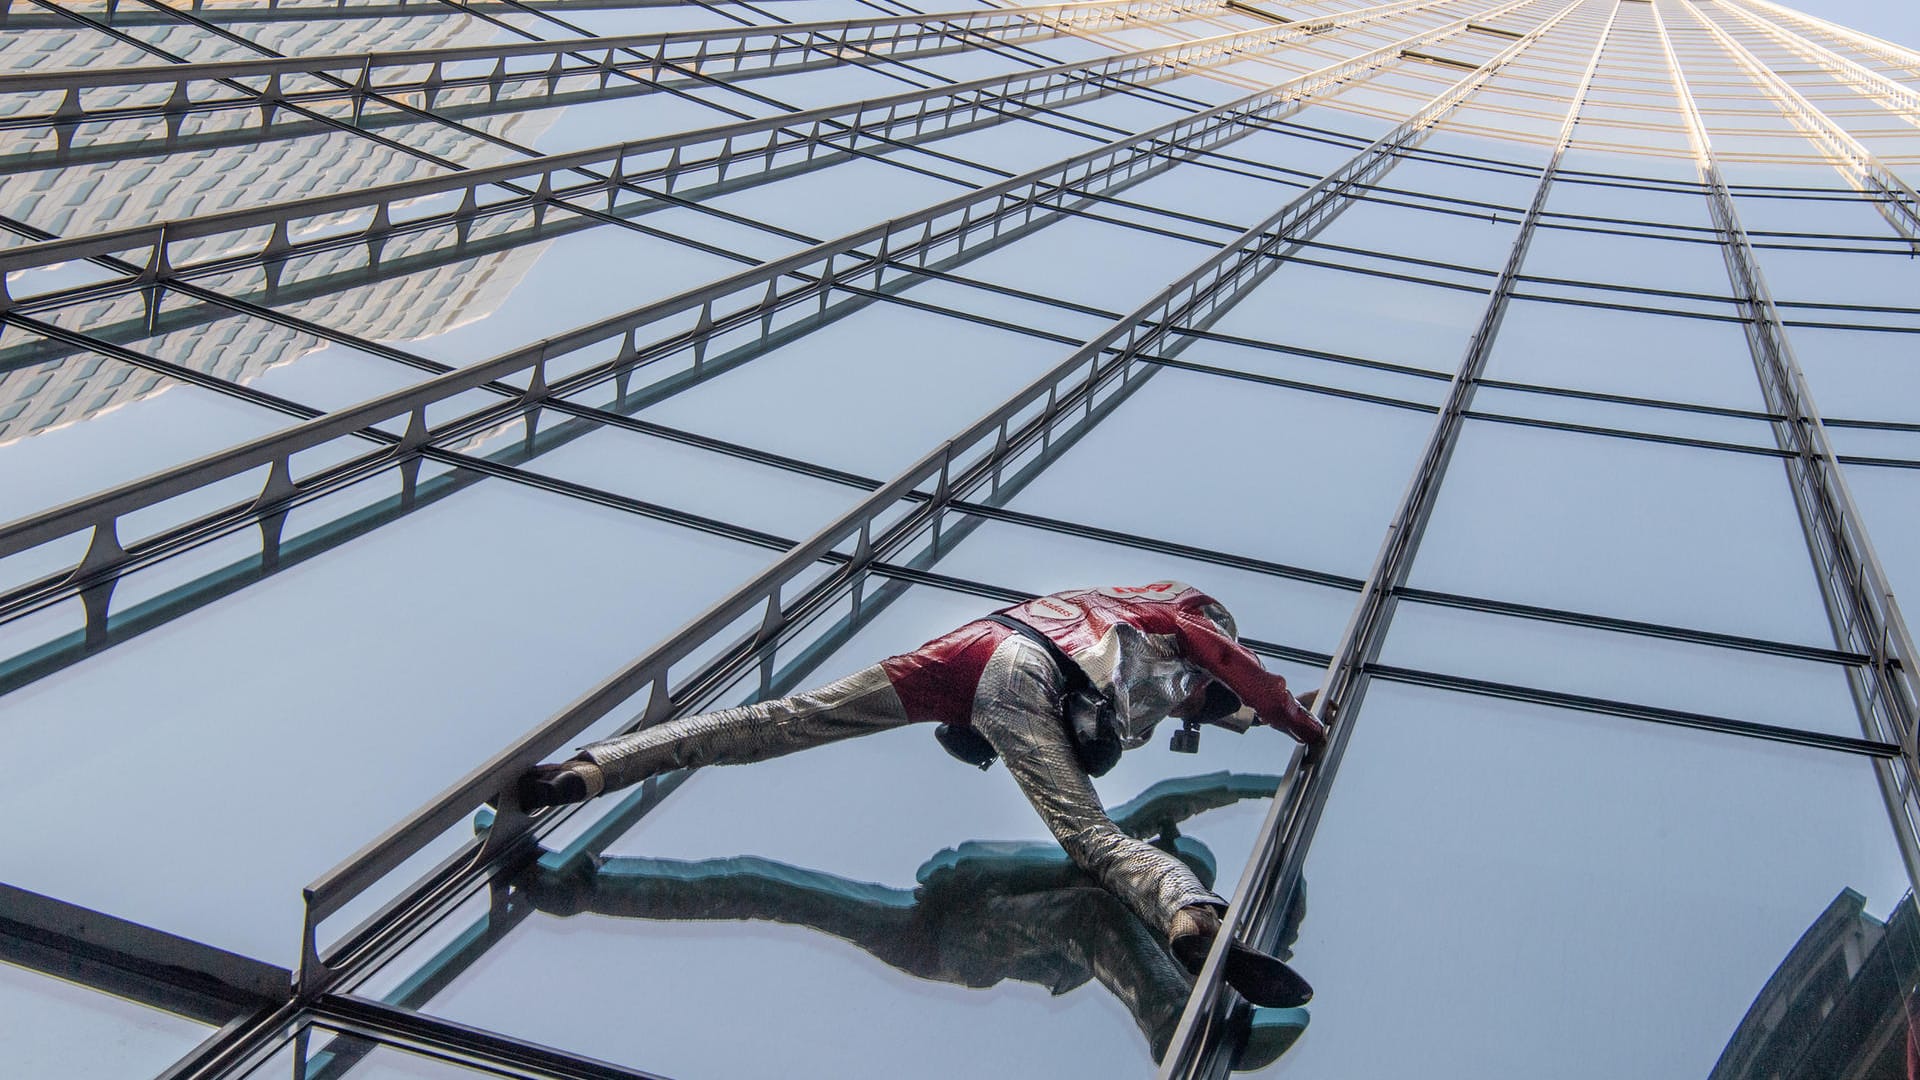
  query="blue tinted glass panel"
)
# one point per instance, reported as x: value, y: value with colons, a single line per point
x: 1617, y: 861
x: 58, y: 1028
x: 390, y: 661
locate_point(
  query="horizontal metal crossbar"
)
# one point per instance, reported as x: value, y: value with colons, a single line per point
x: 1848, y: 744
x: 461, y: 1043
x: 1588, y: 620
x: 162, y: 970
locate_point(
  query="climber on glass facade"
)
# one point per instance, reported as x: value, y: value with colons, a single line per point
x: 1057, y: 687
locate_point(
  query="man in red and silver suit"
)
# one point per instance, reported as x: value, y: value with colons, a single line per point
x: 1056, y: 687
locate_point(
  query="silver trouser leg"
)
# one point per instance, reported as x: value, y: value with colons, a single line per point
x: 861, y: 703
x: 1017, y: 709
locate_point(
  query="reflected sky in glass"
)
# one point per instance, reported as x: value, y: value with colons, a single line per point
x: 1507, y: 887
x: 383, y: 665
x: 57, y: 1028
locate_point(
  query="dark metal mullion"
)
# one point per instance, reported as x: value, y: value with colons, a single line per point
x: 612, y: 500
x: 1185, y: 365
x: 1666, y: 631
x: 1292, y: 384
x: 180, y: 373
x: 1611, y: 286
x: 1707, y: 230
x: 1625, y: 433
x: 1411, y: 279
x: 1820, y: 305
x: 1185, y: 331
x: 700, y: 207
x: 1868, y: 328
x: 966, y: 316
x: 158, y: 969
x: 1227, y: 227
x: 711, y: 444
x: 1877, y: 462
x: 1648, y: 290
x: 1832, y: 249
x: 1875, y: 425
x: 1162, y: 547
x: 1676, y: 717
x: 462, y: 1043
x: 1643, y: 309
x: 1626, y: 399
x: 886, y: 140
x: 1411, y: 260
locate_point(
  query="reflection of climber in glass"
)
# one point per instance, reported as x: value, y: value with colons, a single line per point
x: 1056, y: 688
x: 982, y: 913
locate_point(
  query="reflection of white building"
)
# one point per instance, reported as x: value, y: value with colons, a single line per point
x: 79, y: 199
x: 1839, y: 1006
x: 75, y: 387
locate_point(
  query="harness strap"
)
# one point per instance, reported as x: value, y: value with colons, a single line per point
x: 1075, y: 675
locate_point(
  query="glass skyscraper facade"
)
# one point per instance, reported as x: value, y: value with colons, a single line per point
x: 396, y: 393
